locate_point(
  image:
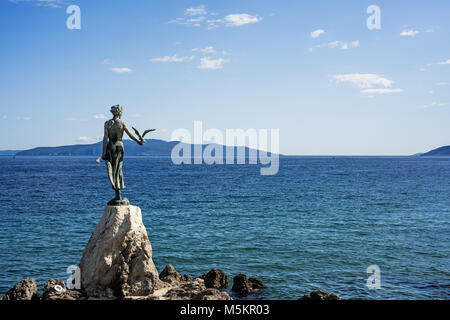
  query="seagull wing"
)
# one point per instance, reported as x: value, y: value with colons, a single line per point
x: 137, y: 132
x: 147, y: 131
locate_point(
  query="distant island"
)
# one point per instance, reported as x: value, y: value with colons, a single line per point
x: 439, y: 152
x: 8, y: 152
x: 153, y: 147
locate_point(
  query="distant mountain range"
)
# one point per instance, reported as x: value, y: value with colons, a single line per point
x: 439, y: 152
x: 8, y: 152
x: 153, y: 147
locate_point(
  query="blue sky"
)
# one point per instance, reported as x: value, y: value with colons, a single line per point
x: 311, y: 69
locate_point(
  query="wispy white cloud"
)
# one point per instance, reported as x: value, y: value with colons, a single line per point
x: 99, y: 116
x: 196, y: 22
x: 207, y: 50
x: 382, y: 91
x: 443, y: 84
x: 198, y: 16
x: 436, y: 104
x: 106, y: 61
x: 122, y: 70
x: 214, y: 23
x: 206, y: 60
x: 194, y: 16
x: 343, y: 45
x: 212, y: 64
x: 75, y: 119
x: 23, y: 118
x: 317, y: 33
x: 368, y: 82
x: 43, y: 3
x: 85, y: 139
x: 241, y: 19
x: 173, y: 58
x: 409, y: 33
x: 364, y: 80
x: 196, y: 11
x: 444, y: 62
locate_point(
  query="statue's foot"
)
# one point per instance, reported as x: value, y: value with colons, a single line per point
x: 119, y: 202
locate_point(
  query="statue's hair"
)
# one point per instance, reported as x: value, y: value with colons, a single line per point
x: 116, y: 109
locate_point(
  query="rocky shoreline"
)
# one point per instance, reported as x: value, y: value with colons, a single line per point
x: 171, y: 286
x: 117, y: 264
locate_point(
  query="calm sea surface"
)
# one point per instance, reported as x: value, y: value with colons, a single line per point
x: 317, y: 224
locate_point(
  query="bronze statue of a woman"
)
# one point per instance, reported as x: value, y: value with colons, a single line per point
x: 113, y: 152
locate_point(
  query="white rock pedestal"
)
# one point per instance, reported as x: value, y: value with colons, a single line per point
x: 117, y: 261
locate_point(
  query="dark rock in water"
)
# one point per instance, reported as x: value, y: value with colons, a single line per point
x: 320, y: 296
x: 216, y: 278
x: 56, y: 290
x: 170, y: 275
x: 244, y: 286
x: 256, y: 283
x: 25, y: 289
x: 241, y: 284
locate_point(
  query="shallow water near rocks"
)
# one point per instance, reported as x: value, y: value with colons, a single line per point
x: 317, y: 224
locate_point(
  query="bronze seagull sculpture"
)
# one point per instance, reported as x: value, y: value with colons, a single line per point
x: 145, y: 132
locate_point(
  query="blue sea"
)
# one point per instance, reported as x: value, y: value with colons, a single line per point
x: 318, y: 224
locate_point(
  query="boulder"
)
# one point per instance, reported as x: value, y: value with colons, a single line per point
x: 25, y: 289
x: 244, y: 286
x: 211, y: 294
x: 256, y: 283
x: 56, y: 290
x: 117, y: 261
x: 170, y: 275
x: 216, y: 279
x: 192, y: 290
x: 53, y: 289
x: 320, y: 296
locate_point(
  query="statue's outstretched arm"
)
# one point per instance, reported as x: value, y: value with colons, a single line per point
x: 132, y: 137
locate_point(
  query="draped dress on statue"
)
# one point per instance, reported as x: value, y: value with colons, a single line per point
x: 114, y: 153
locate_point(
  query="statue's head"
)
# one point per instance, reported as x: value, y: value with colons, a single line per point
x: 117, y: 110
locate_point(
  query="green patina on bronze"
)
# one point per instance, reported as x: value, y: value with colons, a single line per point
x: 113, y: 152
